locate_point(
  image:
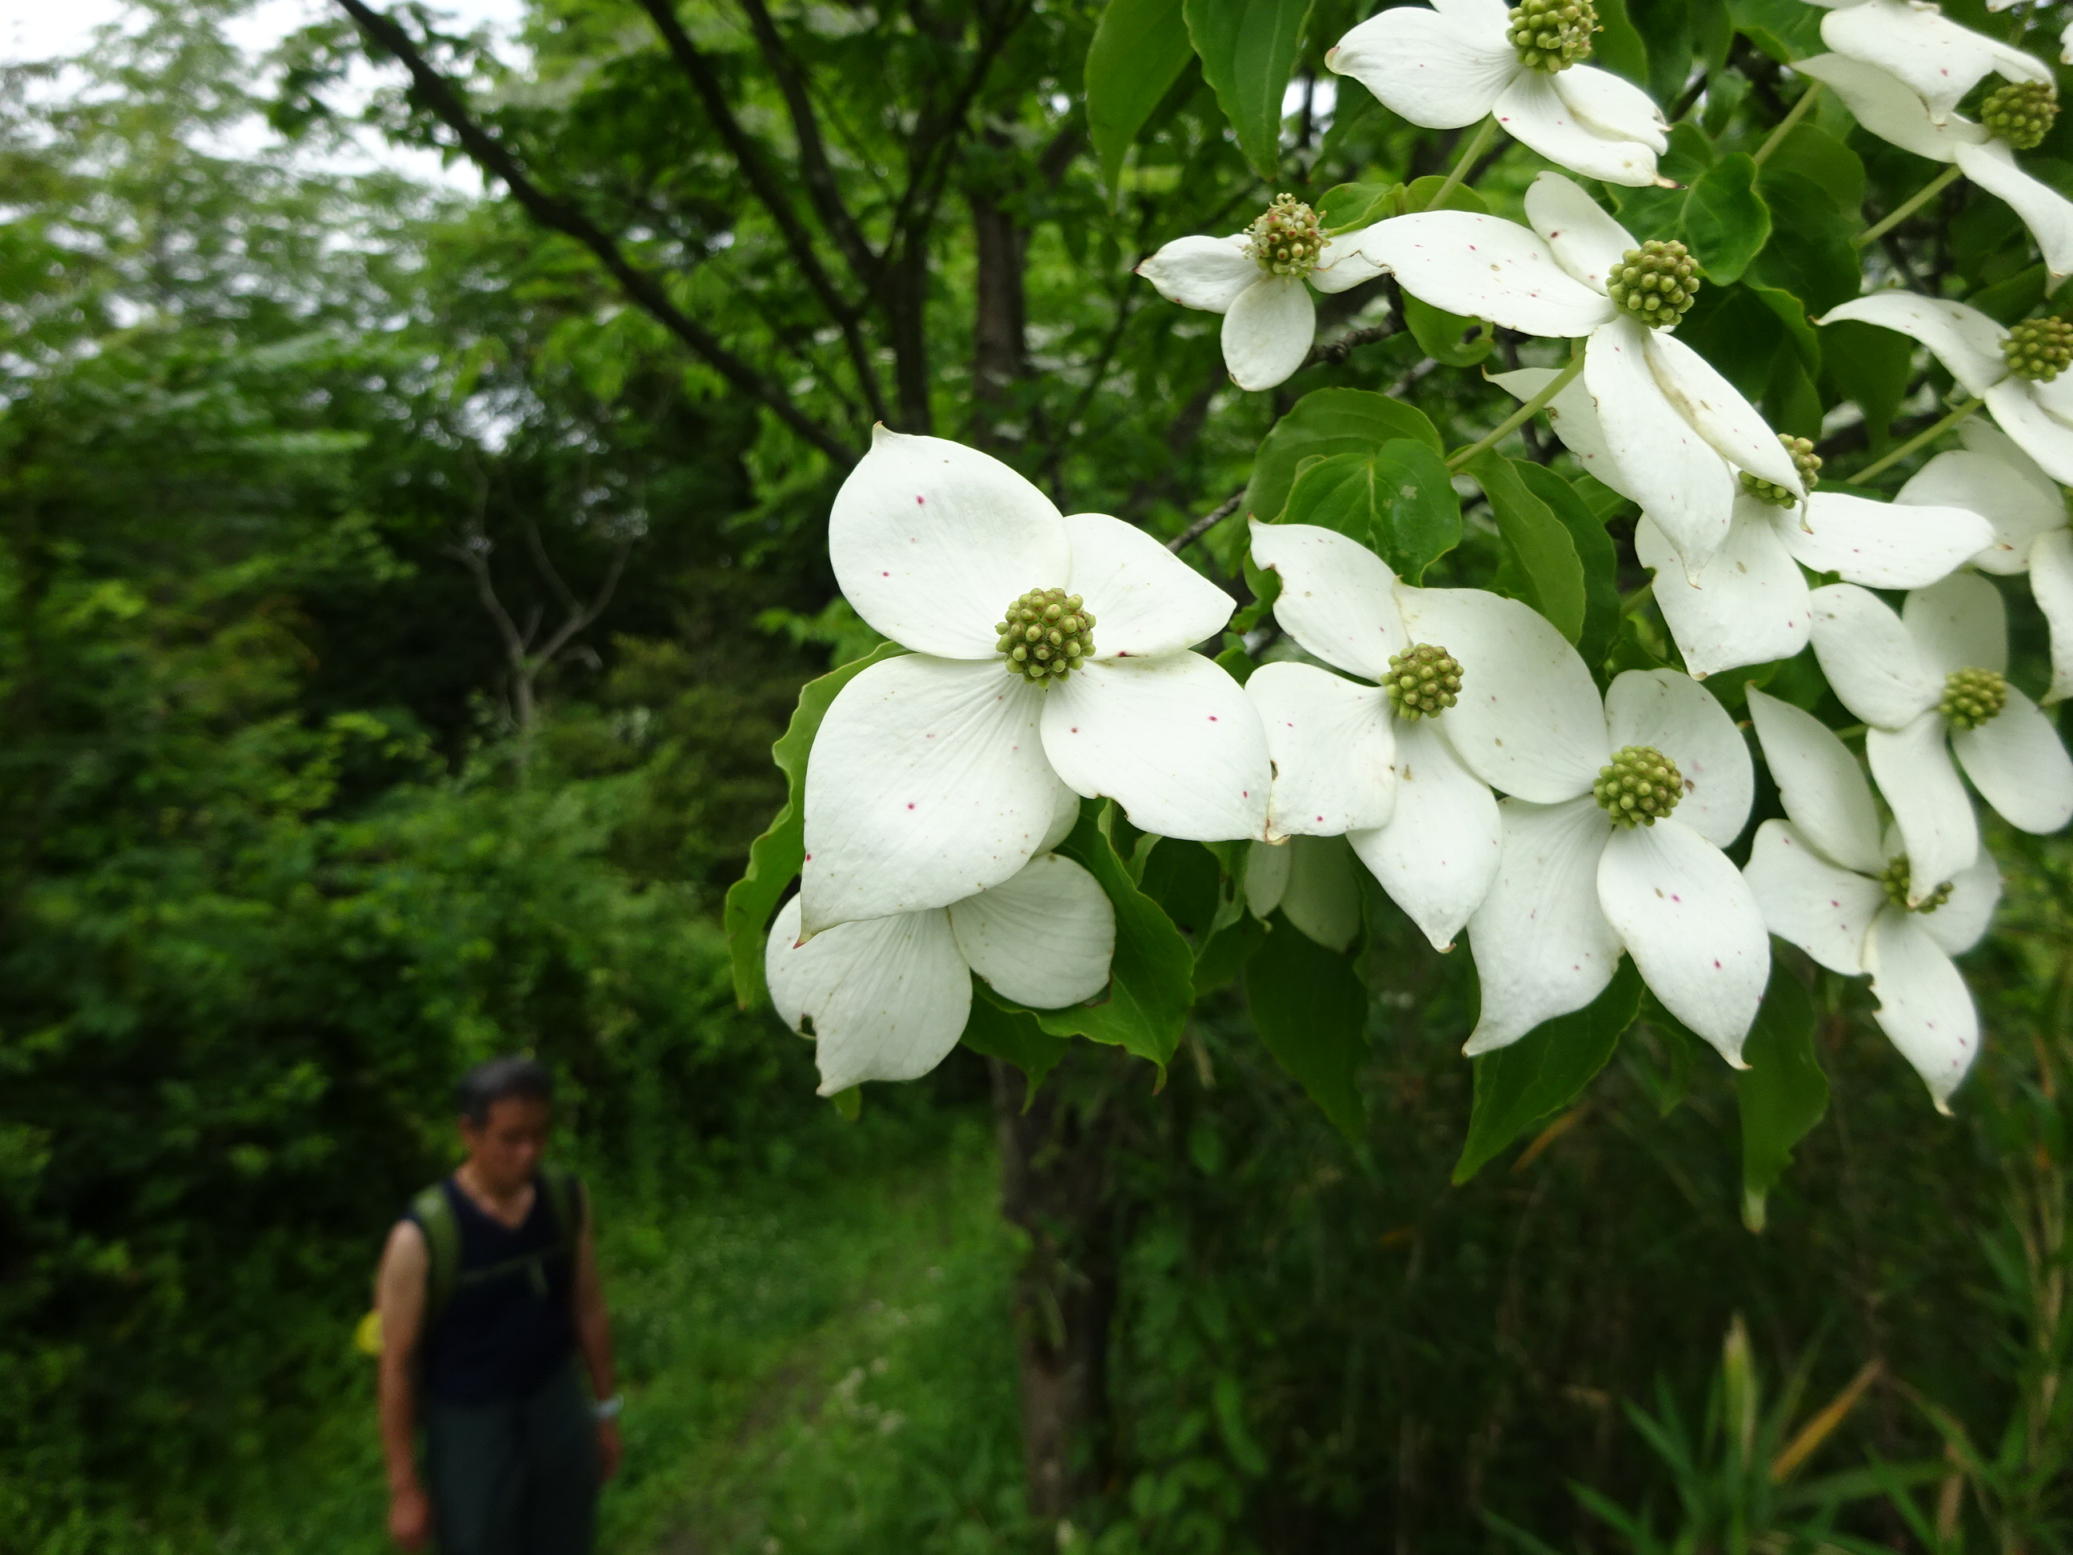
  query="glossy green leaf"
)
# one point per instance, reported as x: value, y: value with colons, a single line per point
x: 1399, y: 500
x: 1595, y: 553
x: 774, y: 857
x: 1448, y: 337
x: 1321, y: 423
x: 1248, y: 53
x: 1311, y: 1012
x: 1356, y: 205
x: 1140, y: 48
x: 1014, y: 1037
x: 1784, y: 29
x: 1418, y: 196
x: 1726, y: 222
x: 1782, y: 1093
x: 1545, y: 1070
x: 1810, y: 253
x: 1814, y: 154
x: 1545, y: 570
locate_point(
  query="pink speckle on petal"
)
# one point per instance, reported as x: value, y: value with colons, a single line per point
x: 910, y: 805
x: 918, y: 500
x: 1716, y: 959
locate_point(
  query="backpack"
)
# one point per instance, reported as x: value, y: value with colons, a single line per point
x: 433, y: 1211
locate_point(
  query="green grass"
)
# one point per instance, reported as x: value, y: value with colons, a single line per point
x: 806, y: 1368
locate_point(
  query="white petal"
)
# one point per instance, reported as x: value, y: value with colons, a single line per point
x: 1332, y: 742
x: 1822, y: 785
x: 1267, y: 871
x: 932, y: 540
x: 1685, y: 721
x: 1437, y: 856
x: 884, y: 999
x: 1535, y: 112
x: 1268, y: 331
x: 1884, y: 105
x: 1964, y: 339
x: 1442, y: 72
x: 2047, y: 213
x: 1541, y: 942
x: 1663, y: 462
x: 1201, y: 272
x: 1337, y: 599
x: 1585, y: 241
x: 2051, y: 580
x: 1872, y: 661
x: 1479, y: 15
x: 1575, y: 420
x: 1998, y: 481
x: 1808, y: 901
x: 926, y: 783
x: 2040, y: 434
x: 1145, y: 600
x: 1896, y: 545
x: 1065, y: 815
x: 1529, y: 720
x: 1485, y: 268
x: 1341, y: 264
x: 1940, y: 60
x: 1730, y: 425
x: 1693, y: 928
x: 1938, y: 830
x: 2016, y: 762
x: 1924, y: 1008
x: 1323, y: 895
x: 1961, y: 921
x: 1173, y: 739
x: 1044, y: 938
x: 1958, y: 624
x: 1748, y: 604
x: 1612, y: 108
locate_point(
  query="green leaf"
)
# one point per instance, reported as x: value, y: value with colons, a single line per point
x: 1784, y: 29
x: 1690, y: 153
x: 1868, y: 365
x: 1543, y: 1071
x: 1547, y: 573
x: 1617, y: 46
x: 1140, y: 48
x: 849, y: 1103
x: 1726, y: 222
x: 1325, y: 422
x: 1312, y: 1015
x: 1151, y: 978
x: 1399, y: 500
x: 1595, y: 553
x: 1248, y: 53
x: 774, y: 857
x: 1814, y: 154
x: 1418, y: 196
x: 1013, y: 1036
x: 1228, y: 1397
x: 1782, y: 1093
x: 1810, y: 253
x: 1356, y: 205
x: 1448, y: 337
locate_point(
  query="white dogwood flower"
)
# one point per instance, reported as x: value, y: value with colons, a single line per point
x: 887, y: 998
x: 1371, y: 758
x: 1673, y: 428
x: 2020, y: 373
x: 1933, y: 680
x: 1050, y: 658
x: 1447, y: 67
x: 1749, y: 603
x: 2015, y: 117
x: 1991, y: 476
x: 1940, y: 60
x: 1260, y: 281
x: 1595, y: 862
x: 1827, y: 884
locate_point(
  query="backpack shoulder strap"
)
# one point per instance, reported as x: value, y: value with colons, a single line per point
x: 565, y: 1198
x: 433, y: 1211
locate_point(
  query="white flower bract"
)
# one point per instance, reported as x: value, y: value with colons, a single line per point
x: 1937, y: 59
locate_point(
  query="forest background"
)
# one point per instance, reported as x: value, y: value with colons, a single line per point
x: 400, y: 592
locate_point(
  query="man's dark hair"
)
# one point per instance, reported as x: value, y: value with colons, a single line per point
x: 500, y: 1079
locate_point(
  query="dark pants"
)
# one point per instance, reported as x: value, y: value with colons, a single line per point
x: 517, y: 1477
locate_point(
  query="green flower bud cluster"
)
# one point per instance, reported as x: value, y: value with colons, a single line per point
x: 1972, y: 697
x: 1553, y: 34
x: 1286, y: 238
x: 1895, y: 878
x: 2039, y: 349
x: 1045, y: 635
x: 1656, y: 282
x: 1639, y: 786
x: 2021, y: 113
x: 1804, y: 459
x: 1423, y: 681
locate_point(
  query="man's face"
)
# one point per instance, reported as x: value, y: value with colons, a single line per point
x: 507, y: 1146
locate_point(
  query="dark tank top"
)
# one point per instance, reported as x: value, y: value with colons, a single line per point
x: 505, y: 1331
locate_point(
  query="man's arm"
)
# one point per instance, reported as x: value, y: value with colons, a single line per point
x: 594, y: 1336
x: 400, y: 1296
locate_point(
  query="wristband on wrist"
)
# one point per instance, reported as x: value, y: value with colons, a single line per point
x: 608, y: 1408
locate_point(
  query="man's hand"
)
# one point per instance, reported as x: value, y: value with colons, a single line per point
x: 410, y: 1518
x: 608, y: 1449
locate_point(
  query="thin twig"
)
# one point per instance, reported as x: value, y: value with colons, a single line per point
x: 1206, y: 522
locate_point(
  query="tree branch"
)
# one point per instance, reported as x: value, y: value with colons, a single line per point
x: 814, y: 169
x: 438, y: 94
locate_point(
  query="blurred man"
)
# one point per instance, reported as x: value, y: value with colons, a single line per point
x: 488, y: 1291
